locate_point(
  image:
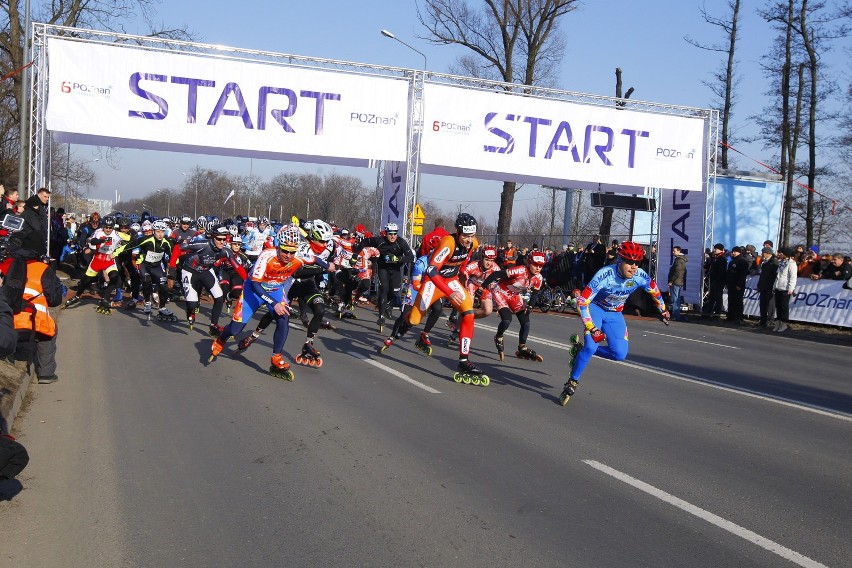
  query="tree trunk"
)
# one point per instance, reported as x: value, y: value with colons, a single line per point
x: 504, y: 218
x: 813, y: 68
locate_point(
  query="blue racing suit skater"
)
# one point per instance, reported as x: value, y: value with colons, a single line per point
x: 600, y: 306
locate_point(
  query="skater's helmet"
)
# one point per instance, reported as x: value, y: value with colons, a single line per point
x: 160, y: 226
x: 136, y: 227
x: 466, y: 224
x: 201, y: 223
x: 628, y: 250
x: 536, y: 258
x: 186, y: 220
x: 108, y: 222
x: 392, y: 228
x: 123, y: 223
x: 489, y: 252
x: 147, y: 226
x: 288, y: 238
x: 320, y: 231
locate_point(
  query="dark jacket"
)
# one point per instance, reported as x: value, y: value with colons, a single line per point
x: 842, y: 272
x: 33, y: 235
x: 391, y: 255
x: 8, y: 335
x: 717, y: 267
x: 768, y: 271
x: 677, y: 271
x: 737, y: 273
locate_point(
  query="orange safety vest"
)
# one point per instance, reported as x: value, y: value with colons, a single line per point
x: 34, y: 295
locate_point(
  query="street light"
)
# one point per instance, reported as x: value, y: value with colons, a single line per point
x: 388, y: 34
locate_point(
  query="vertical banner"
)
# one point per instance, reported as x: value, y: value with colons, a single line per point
x: 747, y: 210
x: 682, y: 224
x: 393, y: 195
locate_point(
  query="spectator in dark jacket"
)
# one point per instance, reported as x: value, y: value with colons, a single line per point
x: 8, y: 337
x: 717, y: 267
x: 33, y: 235
x: 676, y: 280
x: 735, y: 280
x: 766, y: 283
x: 837, y: 269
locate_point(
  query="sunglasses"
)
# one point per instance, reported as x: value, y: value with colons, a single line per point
x: 392, y: 233
x: 220, y: 238
x: 630, y: 262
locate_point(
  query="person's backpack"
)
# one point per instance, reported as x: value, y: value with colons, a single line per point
x: 14, y: 283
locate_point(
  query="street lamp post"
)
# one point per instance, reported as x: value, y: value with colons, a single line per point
x: 388, y: 34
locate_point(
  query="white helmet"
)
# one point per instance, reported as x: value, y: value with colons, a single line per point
x: 391, y: 228
x: 147, y: 225
x: 136, y: 227
x: 160, y: 226
x: 320, y: 231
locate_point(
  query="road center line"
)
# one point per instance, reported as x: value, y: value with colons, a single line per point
x: 394, y: 372
x: 687, y: 339
x: 725, y: 524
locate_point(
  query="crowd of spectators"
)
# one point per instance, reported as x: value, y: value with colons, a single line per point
x: 778, y: 272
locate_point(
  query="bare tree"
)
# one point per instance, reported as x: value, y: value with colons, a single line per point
x: 724, y: 78
x: 513, y: 41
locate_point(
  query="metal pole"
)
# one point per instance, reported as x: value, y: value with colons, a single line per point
x: 23, y: 112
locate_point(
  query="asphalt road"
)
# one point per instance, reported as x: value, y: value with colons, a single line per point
x: 708, y: 447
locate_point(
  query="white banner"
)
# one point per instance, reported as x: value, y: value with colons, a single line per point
x: 510, y: 137
x: 682, y: 224
x: 123, y: 96
x: 816, y: 301
x: 393, y: 196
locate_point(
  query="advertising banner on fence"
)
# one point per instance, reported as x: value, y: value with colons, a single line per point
x: 510, y: 137
x: 124, y: 96
x: 682, y: 224
x: 816, y: 301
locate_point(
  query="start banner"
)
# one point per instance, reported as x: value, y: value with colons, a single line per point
x: 511, y: 137
x: 815, y: 301
x: 131, y: 97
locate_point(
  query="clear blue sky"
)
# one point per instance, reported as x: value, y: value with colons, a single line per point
x: 644, y: 38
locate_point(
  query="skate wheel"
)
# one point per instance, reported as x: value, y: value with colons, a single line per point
x: 211, y: 359
x: 475, y: 381
x: 429, y: 351
x: 539, y: 358
x: 300, y: 360
x: 318, y: 363
x: 564, y: 398
x: 484, y: 381
x: 466, y: 379
x: 457, y: 377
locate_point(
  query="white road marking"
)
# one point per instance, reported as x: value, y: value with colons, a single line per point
x: 700, y: 381
x: 394, y: 372
x: 695, y: 340
x: 725, y: 524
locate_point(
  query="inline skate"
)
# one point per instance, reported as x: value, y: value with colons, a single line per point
x: 470, y: 374
x: 576, y: 345
x: 190, y: 319
x: 424, y: 344
x: 498, y: 343
x: 216, y: 349
x: 71, y: 302
x: 525, y: 352
x: 309, y: 356
x: 146, y: 309
x: 280, y: 369
x: 165, y: 314
x: 386, y: 344
x: 104, y: 308
x: 246, y: 342
x: 215, y: 330
x: 568, y: 391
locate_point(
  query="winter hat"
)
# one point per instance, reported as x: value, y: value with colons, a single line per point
x: 719, y: 246
x: 767, y: 250
x: 737, y: 249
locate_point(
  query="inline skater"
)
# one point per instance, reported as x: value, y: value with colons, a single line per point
x: 103, y: 243
x: 600, y: 305
x: 424, y: 342
x: 344, y: 278
x: 511, y: 290
x: 126, y: 262
x: 181, y: 236
x: 229, y: 279
x: 473, y: 274
x: 197, y: 273
x: 441, y: 280
x: 256, y: 237
x: 152, y: 252
x: 394, y: 254
x: 270, y: 279
x: 304, y: 288
x: 364, y: 272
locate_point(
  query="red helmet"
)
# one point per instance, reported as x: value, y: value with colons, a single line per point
x: 489, y: 252
x: 537, y: 258
x: 628, y: 250
x: 430, y: 245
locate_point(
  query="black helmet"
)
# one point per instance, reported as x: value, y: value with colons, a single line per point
x: 123, y: 222
x: 108, y: 221
x: 466, y: 224
x: 218, y: 231
x: 186, y: 220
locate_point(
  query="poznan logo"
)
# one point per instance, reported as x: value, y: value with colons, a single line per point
x: 451, y: 127
x: 675, y: 154
x: 85, y: 89
x: 373, y: 119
